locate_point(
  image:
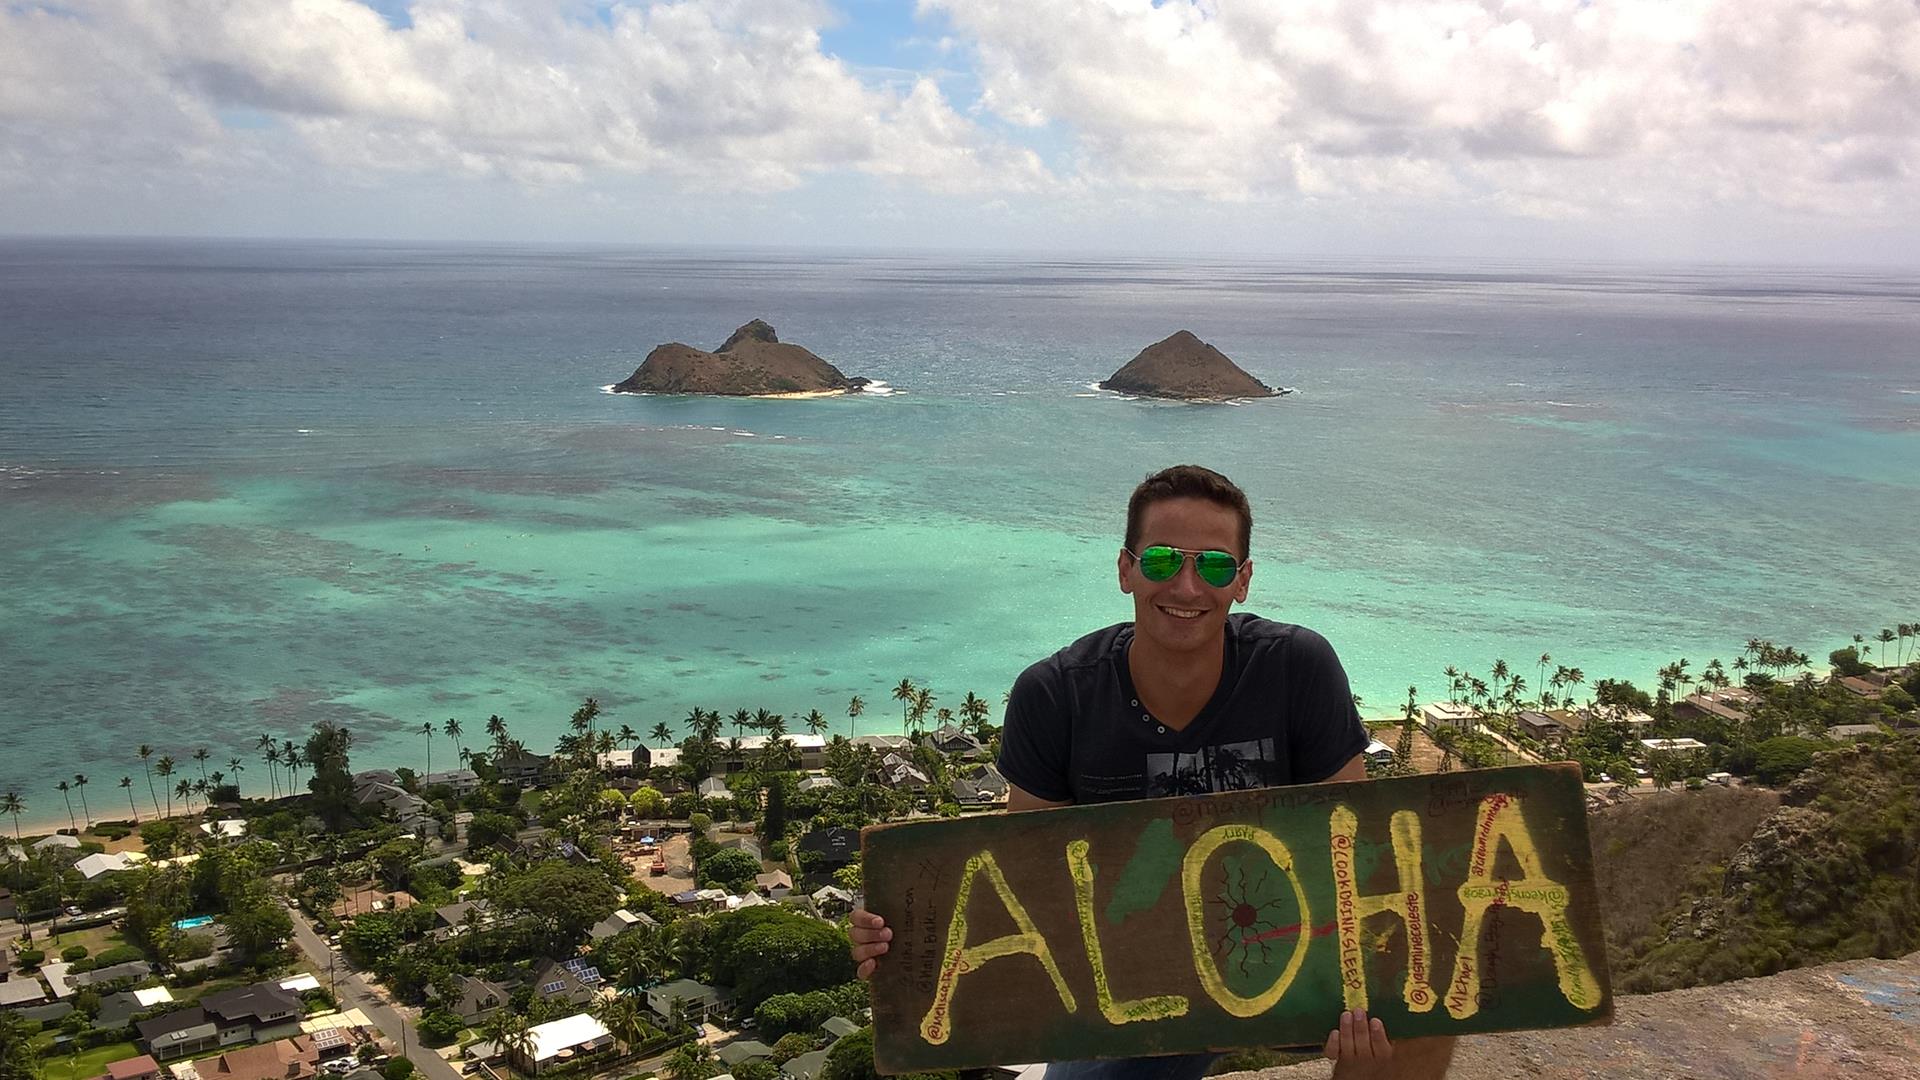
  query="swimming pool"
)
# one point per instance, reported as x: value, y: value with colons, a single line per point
x: 189, y: 924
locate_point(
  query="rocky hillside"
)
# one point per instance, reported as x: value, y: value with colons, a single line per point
x: 1183, y: 366
x: 1858, y: 1020
x: 753, y: 362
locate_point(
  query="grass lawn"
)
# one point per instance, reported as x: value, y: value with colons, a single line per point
x: 59, y: 1066
x: 97, y: 939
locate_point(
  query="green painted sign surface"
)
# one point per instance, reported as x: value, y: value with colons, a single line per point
x: 1443, y: 904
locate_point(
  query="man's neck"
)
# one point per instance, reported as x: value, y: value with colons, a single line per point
x: 1174, y: 687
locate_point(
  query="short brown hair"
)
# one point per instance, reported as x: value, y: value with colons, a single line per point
x: 1189, y: 482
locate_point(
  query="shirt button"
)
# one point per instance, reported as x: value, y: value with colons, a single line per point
x: 1136, y: 704
x: 1163, y: 731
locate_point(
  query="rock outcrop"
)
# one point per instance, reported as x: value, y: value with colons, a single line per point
x: 1186, y: 368
x: 753, y: 362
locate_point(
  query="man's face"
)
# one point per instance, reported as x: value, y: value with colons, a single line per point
x: 1184, y: 613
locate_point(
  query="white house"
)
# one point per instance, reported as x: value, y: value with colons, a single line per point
x: 1439, y: 714
x: 561, y: 1041
x: 1673, y: 746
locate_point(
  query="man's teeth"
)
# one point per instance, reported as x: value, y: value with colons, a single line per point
x: 1183, y: 613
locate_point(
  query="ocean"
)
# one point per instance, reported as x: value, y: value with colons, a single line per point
x: 245, y: 486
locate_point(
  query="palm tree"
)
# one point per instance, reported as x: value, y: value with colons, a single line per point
x: 165, y: 769
x: 497, y: 730
x: 65, y: 793
x: 621, y: 1016
x: 814, y: 721
x: 855, y: 706
x: 1545, y: 659
x: 184, y: 789
x: 201, y: 756
x: 742, y: 719
x: 234, y: 764
x: 628, y: 736
x: 922, y: 705
x: 510, y: 1032
x: 973, y: 710
x: 145, y: 753
x: 1885, y: 639
x: 453, y: 729
x: 272, y: 757
x: 290, y: 756
x: 662, y: 734
x: 126, y: 785
x: 904, y: 695
x: 426, y: 728
x: 80, y: 783
x: 11, y: 803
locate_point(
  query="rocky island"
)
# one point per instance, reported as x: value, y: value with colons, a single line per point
x: 752, y: 363
x: 1184, y: 367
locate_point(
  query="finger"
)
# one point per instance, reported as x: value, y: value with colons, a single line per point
x: 1332, y: 1050
x: 1377, y: 1033
x: 863, y: 953
x: 1346, y: 1034
x: 864, y: 971
x: 863, y: 917
x: 861, y: 935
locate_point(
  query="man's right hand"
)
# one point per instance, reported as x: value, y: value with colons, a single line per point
x: 870, y: 936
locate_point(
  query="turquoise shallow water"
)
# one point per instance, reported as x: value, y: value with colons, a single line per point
x: 247, y: 486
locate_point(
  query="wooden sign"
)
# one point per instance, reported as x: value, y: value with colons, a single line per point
x: 1442, y: 904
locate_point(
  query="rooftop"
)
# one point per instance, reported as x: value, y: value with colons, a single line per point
x: 577, y: 1030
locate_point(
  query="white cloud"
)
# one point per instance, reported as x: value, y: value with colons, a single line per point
x: 728, y: 95
x: 1548, y: 107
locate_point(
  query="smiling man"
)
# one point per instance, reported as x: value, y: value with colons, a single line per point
x: 1188, y: 698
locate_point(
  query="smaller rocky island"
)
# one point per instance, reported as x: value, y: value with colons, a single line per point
x: 752, y: 363
x: 1188, y: 369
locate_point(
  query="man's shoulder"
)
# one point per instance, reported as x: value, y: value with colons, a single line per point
x: 1269, y: 639
x: 1096, y: 650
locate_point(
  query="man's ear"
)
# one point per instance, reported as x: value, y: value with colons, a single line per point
x: 1120, y: 566
x: 1246, y: 579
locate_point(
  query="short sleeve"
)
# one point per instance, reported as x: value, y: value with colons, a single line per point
x: 1035, y: 735
x: 1324, y: 731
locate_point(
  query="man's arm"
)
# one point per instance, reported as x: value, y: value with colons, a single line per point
x: 1354, y: 769
x: 1018, y: 799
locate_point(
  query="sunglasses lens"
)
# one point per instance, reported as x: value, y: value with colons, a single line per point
x: 1159, y: 563
x: 1216, y: 568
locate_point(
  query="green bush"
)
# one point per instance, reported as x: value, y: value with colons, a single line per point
x: 119, y: 954
x: 397, y: 1069
x: 31, y: 958
x: 439, y: 1027
x: 74, y: 952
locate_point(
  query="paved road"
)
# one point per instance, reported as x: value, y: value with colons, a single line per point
x: 350, y: 990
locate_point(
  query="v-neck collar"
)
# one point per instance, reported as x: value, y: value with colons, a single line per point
x: 1148, y: 725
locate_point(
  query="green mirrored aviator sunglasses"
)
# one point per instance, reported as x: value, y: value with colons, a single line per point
x: 1160, y: 562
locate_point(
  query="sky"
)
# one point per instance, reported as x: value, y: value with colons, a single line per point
x: 1708, y: 130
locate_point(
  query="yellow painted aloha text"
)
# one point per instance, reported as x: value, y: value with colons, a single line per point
x: 962, y: 958
x: 1351, y: 909
x: 1117, y: 1012
x: 1501, y: 819
x: 1190, y: 887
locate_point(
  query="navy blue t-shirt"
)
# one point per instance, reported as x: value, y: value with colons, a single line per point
x: 1282, y: 714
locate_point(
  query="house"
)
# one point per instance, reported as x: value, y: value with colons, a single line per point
x: 133, y: 1068
x: 1863, y: 687
x: 775, y: 883
x: 805, y: 1066
x: 365, y: 899
x: 951, y: 740
x: 1378, y: 753
x: 265, y: 1009
x: 884, y: 743
x: 477, y: 999
x: 300, y: 984
x: 898, y: 772
x: 617, y: 762
x: 521, y: 766
x: 714, y: 788
x: 132, y: 969
x: 817, y: 783
x: 1727, y: 704
x: 226, y: 829
x: 561, y: 1042
x: 463, y: 782
x: 740, y: 1051
x: 55, y: 972
x: 839, y: 1027
x: 1672, y: 746
x: 619, y: 923
x: 117, y: 1011
x: 809, y: 752
x: 22, y: 991
x: 830, y: 848
x: 1447, y: 714
x: 294, y: 1058
x: 832, y: 901
x: 1539, y: 725
x: 573, y: 982
x: 455, y: 918
x: 179, y: 1033
x: 420, y: 823
x: 1634, y: 719
x: 97, y: 864
x: 701, y: 899
x: 742, y: 843
x: 983, y: 785
x: 1839, y: 732
x: 698, y: 1000
x: 647, y: 758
